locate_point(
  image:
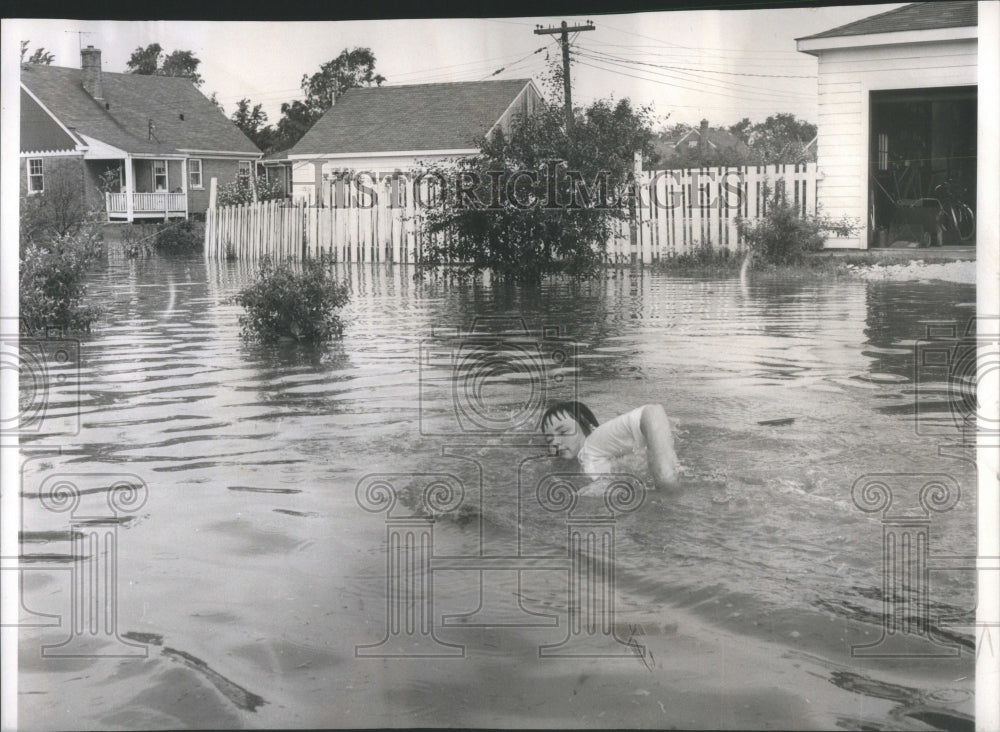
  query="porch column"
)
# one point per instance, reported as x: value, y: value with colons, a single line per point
x: 318, y: 181
x: 129, y: 188
x: 184, y: 184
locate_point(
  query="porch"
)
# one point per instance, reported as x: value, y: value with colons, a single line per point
x: 137, y: 188
x: 146, y: 205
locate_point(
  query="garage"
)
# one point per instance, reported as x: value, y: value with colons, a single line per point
x: 922, y: 166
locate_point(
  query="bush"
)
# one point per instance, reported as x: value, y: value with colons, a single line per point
x: 285, y: 303
x: 52, y: 270
x: 183, y: 237
x: 534, y: 202
x: 62, y: 209
x: 703, y: 259
x: 784, y: 235
x: 241, y: 191
x: 59, y: 240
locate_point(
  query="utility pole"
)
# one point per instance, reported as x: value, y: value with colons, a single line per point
x: 564, y: 32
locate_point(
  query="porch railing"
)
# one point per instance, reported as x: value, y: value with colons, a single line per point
x: 145, y: 203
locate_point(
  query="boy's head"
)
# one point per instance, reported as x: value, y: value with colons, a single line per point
x: 566, y: 425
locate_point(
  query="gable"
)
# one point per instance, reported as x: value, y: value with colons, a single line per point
x: 39, y: 131
x: 139, y: 114
x: 419, y: 117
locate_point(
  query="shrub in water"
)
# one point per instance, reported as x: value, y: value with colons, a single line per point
x: 137, y: 240
x: 52, y: 270
x: 783, y: 235
x: 59, y: 240
x: 285, y: 302
x: 183, y: 237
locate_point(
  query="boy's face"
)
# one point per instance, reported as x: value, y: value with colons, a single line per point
x: 564, y: 436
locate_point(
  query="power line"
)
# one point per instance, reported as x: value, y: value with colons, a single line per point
x: 515, y: 63
x: 704, y: 86
x: 683, y: 56
x: 668, y: 44
x: 443, y: 73
x: 703, y: 71
x: 743, y: 103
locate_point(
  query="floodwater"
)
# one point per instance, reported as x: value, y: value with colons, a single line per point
x: 250, y: 577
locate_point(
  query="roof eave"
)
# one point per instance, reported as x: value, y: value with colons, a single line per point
x: 299, y: 157
x: 813, y: 45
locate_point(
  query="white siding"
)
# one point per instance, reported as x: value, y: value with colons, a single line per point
x: 846, y: 76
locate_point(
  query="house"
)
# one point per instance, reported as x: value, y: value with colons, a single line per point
x: 701, y: 145
x: 275, y: 166
x: 143, y: 146
x: 898, y: 118
x: 389, y: 129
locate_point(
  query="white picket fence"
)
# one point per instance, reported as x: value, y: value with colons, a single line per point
x: 677, y: 213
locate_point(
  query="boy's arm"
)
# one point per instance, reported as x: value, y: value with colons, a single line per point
x: 660, y: 453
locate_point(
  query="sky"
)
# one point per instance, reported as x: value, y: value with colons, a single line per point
x: 720, y: 65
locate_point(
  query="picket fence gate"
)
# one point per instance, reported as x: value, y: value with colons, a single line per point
x: 677, y: 212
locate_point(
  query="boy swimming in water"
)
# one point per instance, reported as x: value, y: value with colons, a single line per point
x: 572, y: 431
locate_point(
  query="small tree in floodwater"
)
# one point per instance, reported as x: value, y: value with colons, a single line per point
x: 60, y: 240
x: 784, y: 235
x: 533, y: 201
x: 287, y: 302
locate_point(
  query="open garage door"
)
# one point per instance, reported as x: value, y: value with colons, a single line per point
x: 922, y: 167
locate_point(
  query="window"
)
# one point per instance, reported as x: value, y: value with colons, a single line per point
x: 244, y: 170
x: 194, y: 173
x: 159, y: 175
x: 35, y: 180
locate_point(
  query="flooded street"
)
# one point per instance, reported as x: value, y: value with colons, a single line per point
x: 250, y: 574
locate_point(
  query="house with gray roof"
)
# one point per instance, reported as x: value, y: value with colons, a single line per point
x: 145, y: 147
x: 899, y: 121
x: 389, y: 129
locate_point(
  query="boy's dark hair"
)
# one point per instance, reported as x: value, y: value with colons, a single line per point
x: 580, y: 413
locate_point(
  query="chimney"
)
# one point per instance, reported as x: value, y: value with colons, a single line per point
x: 703, y: 137
x: 91, y: 58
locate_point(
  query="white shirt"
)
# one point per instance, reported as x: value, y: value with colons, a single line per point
x: 615, y: 438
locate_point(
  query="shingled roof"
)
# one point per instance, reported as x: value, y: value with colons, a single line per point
x: 916, y: 16
x: 132, y: 102
x: 415, y: 117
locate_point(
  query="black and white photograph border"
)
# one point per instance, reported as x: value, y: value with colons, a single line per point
x: 555, y: 367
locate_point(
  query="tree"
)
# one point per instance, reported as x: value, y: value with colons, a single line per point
x: 726, y: 150
x: 742, y: 129
x: 781, y: 138
x: 251, y: 121
x: 183, y: 64
x: 296, y: 119
x: 214, y: 99
x: 147, y: 61
x: 40, y: 56
x: 533, y: 202
x: 351, y: 69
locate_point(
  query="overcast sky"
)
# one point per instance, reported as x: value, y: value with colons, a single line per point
x: 719, y: 65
